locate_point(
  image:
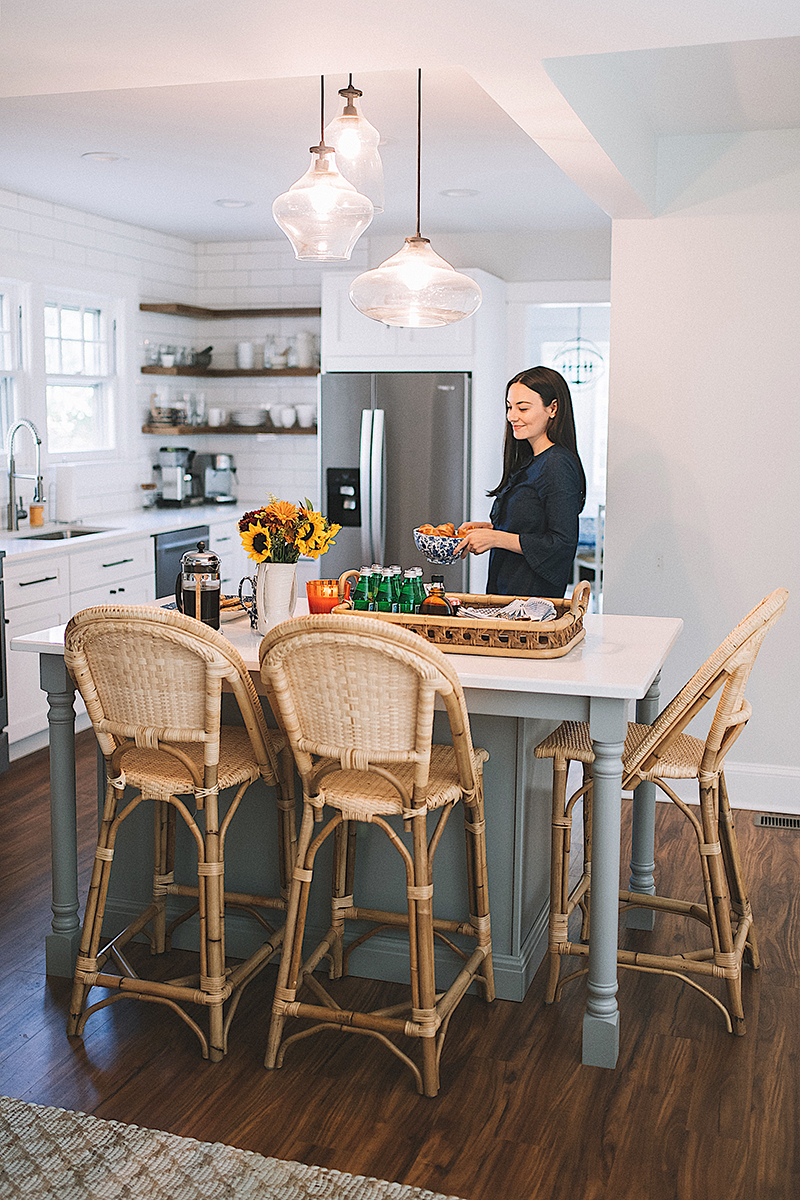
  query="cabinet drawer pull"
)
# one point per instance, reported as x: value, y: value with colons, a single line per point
x: 118, y: 563
x: 44, y: 579
x: 223, y: 539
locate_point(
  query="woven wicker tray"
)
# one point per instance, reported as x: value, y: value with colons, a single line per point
x: 492, y: 635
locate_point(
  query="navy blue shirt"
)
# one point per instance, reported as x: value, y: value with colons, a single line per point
x: 541, y: 503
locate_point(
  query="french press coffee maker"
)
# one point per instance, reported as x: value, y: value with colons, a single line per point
x: 198, y: 585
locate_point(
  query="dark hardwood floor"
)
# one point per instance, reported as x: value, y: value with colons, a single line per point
x: 689, y: 1113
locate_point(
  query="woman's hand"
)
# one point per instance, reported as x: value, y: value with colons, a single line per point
x: 479, y: 536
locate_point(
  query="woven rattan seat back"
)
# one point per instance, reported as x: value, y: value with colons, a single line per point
x: 355, y: 699
x: 152, y: 675
x: 152, y: 682
x: 362, y: 691
x: 660, y: 754
x: 729, y: 668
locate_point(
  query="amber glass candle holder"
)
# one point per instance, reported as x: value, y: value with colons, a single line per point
x: 323, y: 594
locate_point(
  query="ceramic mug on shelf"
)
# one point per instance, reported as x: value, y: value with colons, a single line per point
x: 245, y: 356
x: 287, y: 416
x: 306, y: 415
x: 217, y: 416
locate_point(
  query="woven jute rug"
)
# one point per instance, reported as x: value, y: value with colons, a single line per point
x: 53, y: 1153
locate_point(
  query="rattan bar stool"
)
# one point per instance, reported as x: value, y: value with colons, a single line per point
x: 657, y: 753
x: 152, y: 683
x: 355, y: 697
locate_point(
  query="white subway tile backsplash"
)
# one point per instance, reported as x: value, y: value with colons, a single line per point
x: 101, y: 260
x: 32, y: 204
x: 72, y: 216
x: 276, y: 277
x: 47, y: 227
x: 67, y: 252
x: 29, y: 244
x: 15, y: 219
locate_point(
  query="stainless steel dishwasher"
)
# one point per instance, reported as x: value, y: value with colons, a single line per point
x: 170, y: 548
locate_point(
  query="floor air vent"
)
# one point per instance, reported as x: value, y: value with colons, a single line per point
x: 776, y: 821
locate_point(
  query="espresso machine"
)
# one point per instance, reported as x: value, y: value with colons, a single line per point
x: 176, y: 479
x: 216, y: 475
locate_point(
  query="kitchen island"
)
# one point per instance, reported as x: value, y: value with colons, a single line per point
x: 513, y: 704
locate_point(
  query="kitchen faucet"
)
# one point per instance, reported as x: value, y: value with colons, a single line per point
x: 16, y: 509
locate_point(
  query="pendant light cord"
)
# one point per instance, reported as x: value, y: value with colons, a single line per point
x: 419, y: 136
x: 322, y: 110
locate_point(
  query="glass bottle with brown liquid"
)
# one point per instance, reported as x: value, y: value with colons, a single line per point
x: 436, y: 603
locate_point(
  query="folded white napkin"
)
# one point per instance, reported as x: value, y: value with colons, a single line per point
x: 532, y: 609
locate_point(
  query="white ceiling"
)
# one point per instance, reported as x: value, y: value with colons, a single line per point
x: 550, y: 112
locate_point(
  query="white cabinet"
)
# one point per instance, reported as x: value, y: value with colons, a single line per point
x: 234, y: 564
x: 353, y: 342
x: 120, y: 573
x: 47, y: 591
x: 37, y: 596
x: 108, y: 565
x: 126, y: 591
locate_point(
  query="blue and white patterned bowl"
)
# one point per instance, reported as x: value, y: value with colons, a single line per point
x: 436, y: 547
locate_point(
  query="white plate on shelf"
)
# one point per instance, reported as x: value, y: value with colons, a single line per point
x: 250, y: 417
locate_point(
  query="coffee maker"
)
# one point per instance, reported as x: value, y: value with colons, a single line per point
x: 215, y: 473
x: 177, y: 481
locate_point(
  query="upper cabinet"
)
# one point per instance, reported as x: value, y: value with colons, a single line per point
x: 352, y: 342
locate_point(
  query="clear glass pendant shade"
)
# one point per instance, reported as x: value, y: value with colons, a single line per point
x: 415, y: 288
x: 356, y: 144
x: 323, y: 215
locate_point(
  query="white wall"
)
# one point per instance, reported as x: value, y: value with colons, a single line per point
x: 703, y: 487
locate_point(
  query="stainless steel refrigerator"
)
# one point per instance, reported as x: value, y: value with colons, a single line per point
x: 394, y: 453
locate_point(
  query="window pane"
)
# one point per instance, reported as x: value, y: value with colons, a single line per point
x: 71, y: 323
x: 51, y: 320
x: 72, y: 414
x: 52, y: 362
x: 71, y: 358
x: 91, y: 324
x: 91, y: 356
x: 6, y: 406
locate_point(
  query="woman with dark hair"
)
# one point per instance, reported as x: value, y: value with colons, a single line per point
x: 533, y: 531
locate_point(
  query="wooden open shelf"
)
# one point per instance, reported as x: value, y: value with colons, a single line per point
x: 222, y: 314
x: 229, y: 372
x: 188, y: 430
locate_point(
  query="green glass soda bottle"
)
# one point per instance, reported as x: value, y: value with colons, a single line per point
x: 375, y: 579
x: 419, y: 587
x: 362, y: 599
x: 385, y: 601
x: 397, y: 584
x: 408, y: 593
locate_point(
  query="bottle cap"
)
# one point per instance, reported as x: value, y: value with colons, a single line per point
x: 437, y: 578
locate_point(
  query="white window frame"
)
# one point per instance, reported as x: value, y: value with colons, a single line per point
x: 13, y: 380
x: 107, y: 381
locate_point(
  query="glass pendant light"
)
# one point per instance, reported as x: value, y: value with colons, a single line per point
x: 415, y: 287
x: 322, y: 214
x: 356, y: 144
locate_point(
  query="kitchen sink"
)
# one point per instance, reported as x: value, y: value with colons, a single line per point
x: 56, y: 535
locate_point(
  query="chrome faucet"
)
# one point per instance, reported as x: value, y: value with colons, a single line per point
x: 16, y: 510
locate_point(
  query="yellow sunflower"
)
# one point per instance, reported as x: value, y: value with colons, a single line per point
x: 256, y: 541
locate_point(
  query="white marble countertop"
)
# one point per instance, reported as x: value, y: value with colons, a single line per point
x: 119, y: 526
x: 619, y: 657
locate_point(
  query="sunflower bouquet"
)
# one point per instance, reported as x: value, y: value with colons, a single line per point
x: 280, y: 532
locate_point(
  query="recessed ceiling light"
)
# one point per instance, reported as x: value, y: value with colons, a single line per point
x: 234, y: 203
x: 103, y: 156
x: 459, y: 192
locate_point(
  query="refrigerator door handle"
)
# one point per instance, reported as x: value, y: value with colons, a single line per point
x: 365, y: 476
x: 377, y: 486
